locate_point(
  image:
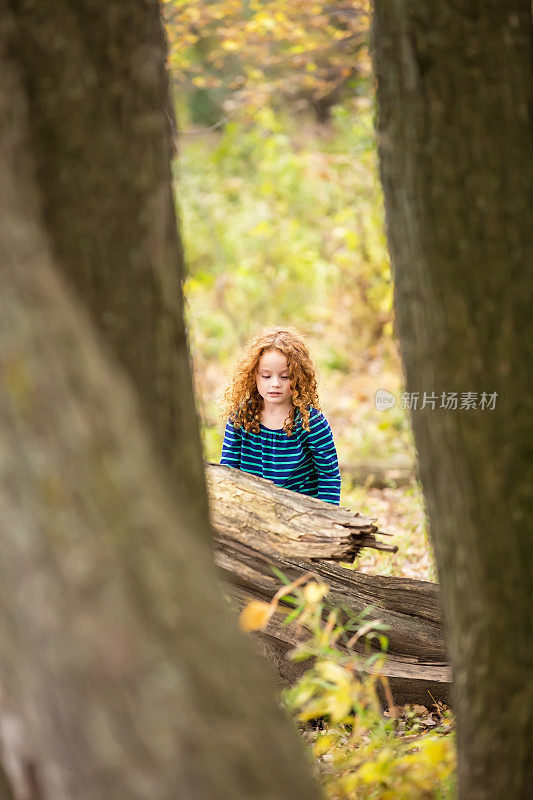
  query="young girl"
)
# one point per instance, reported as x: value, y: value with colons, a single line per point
x: 275, y: 428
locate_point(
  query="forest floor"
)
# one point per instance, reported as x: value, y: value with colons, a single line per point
x: 400, y: 512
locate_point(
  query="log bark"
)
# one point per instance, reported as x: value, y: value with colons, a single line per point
x: 455, y: 95
x: 273, y: 520
x: 417, y: 659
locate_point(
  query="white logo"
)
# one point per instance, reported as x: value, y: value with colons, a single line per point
x: 384, y: 400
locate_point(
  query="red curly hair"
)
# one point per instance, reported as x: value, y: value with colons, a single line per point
x: 242, y: 402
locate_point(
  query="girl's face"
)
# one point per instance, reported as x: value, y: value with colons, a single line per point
x: 272, y: 378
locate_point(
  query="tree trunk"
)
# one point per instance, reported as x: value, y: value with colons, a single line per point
x: 97, y: 95
x: 120, y: 661
x: 454, y: 135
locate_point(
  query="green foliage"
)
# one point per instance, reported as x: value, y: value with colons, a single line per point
x: 278, y: 228
x: 362, y: 751
x: 282, y: 223
x: 267, y: 52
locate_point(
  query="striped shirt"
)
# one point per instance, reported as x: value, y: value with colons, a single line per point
x: 305, y: 462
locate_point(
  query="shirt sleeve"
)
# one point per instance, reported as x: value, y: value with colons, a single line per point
x: 231, y: 446
x: 324, y: 455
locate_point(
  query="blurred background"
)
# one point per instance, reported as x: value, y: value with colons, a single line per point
x: 278, y: 193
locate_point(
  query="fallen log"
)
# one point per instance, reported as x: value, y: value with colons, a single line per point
x: 261, y: 529
x: 270, y: 519
x: 379, y: 474
x: 416, y: 655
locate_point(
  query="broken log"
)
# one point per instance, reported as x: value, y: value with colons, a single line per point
x: 256, y: 512
x: 261, y: 528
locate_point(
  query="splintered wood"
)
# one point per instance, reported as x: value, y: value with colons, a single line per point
x: 257, y: 513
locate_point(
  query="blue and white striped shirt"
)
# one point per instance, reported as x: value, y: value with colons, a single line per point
x: 305, y: 462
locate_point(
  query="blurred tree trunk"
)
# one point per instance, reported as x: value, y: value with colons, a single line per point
x: 454, y: 94
x: 99, y: 104
x: 123, y: 674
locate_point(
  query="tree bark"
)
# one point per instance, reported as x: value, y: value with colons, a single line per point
x: 454, y: 98
x: 120, y: 659
x: 97, y: 95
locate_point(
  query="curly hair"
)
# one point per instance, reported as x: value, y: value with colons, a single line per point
x: 242, y: 402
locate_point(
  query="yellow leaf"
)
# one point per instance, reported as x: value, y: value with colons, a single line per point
x: 324, y: 743
x: 338, y: 703
x: 230, y: 45
x: 333, y: 673
x: 314, y: 592
x: 378, y: 770
x: 255, y: 616
x: 436, y: 750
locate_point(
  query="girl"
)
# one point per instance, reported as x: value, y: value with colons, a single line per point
x: 275, y: 428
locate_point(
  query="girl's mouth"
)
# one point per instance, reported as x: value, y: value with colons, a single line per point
x: 274, y: 394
